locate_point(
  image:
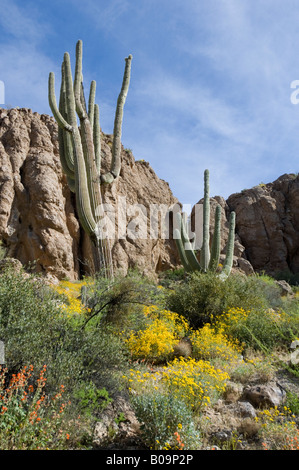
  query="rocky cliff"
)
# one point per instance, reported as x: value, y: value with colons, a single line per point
x: 267, y: 224
x: 38, y: 221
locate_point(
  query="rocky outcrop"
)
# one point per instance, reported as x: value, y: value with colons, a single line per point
x: 267, y: 224
x: 38, y: 220
x: 39, y: 224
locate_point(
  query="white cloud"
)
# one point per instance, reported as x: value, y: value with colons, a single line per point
x: 25, y: 67
x: 210, y: 82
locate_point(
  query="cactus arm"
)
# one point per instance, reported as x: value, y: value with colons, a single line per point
x: 70, y: 100
x: 91, y: 103
x: 97, y: 137
x: 64, y: 137
x: 189, y: 253
x: 116, y: 148
x: 230, y: 247
x: 205, y: 249
x: 53, y: 105
x: 215, y: 250
x: 80, y: 108
x: 181, y: 250
x: 117, y: 129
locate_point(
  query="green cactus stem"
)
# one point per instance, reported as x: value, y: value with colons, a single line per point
x: 209, y: 260
x: 80, y: 147
x: 230, y: 247
x: 205, y: 249
x: 215, y: 250
x: 117, y: 130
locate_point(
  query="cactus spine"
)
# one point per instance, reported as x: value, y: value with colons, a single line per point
x: 80, y: 148
x: 209, y: 259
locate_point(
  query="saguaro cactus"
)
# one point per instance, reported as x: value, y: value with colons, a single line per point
x: 80, y: 148
x: 209, y: 259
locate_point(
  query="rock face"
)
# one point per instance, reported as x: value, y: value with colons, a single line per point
x: 267, y: 224
x: 38, y: 221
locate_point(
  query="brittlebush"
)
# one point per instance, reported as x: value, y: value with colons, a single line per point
x: 208, y: 343
x: 157, y: 340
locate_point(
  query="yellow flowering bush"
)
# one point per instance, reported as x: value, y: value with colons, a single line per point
x: 156, y: 341
x: 71, y: 292
x: 279, y: 430
x: 196, y: 382
x: 262, y: 328
x: 208, y: 343
x: 231, y: 318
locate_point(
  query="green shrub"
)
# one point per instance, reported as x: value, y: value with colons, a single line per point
x: 260, y: 329
x: 170, y: 277
x: 90, y: 399
x: 205, y: 295
x: 166, y: 423
x: 120, y: 303
x: 35, y: 330
x: 292, y: 403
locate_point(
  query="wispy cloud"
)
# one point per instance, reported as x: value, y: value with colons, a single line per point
x: 25, y: 67
x: 210, y: 83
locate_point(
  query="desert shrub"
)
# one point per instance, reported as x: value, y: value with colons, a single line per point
x: 195, y: 382
x: 166, y: 422
x: 29, y: 418
x: 263, y: 329
x: 36, y: 330
x: 91, y: 400
x: 292, y: 403
x: 155, y: 343
x: 3, y: 250
x: 279, y: 430
x: 205, y: 295
x: 71, y: 296
x: 120, y: 303
x: 170, y: 277
x: 208, y: 344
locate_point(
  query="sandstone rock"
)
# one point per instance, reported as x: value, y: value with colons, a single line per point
x: 285, y: 288
x: 267, y: 224
x: 244, y: 409
x: 109, y: 432
x: 265, y: 395
x: 233, y: 392
x: 38, y: 219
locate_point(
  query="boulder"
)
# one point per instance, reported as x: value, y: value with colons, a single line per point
x: 264, y: 395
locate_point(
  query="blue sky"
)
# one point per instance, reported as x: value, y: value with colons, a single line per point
x: 210, y: 83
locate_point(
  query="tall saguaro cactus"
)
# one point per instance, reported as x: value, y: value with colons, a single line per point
x: 80, y: 148
x: 209, y: 259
